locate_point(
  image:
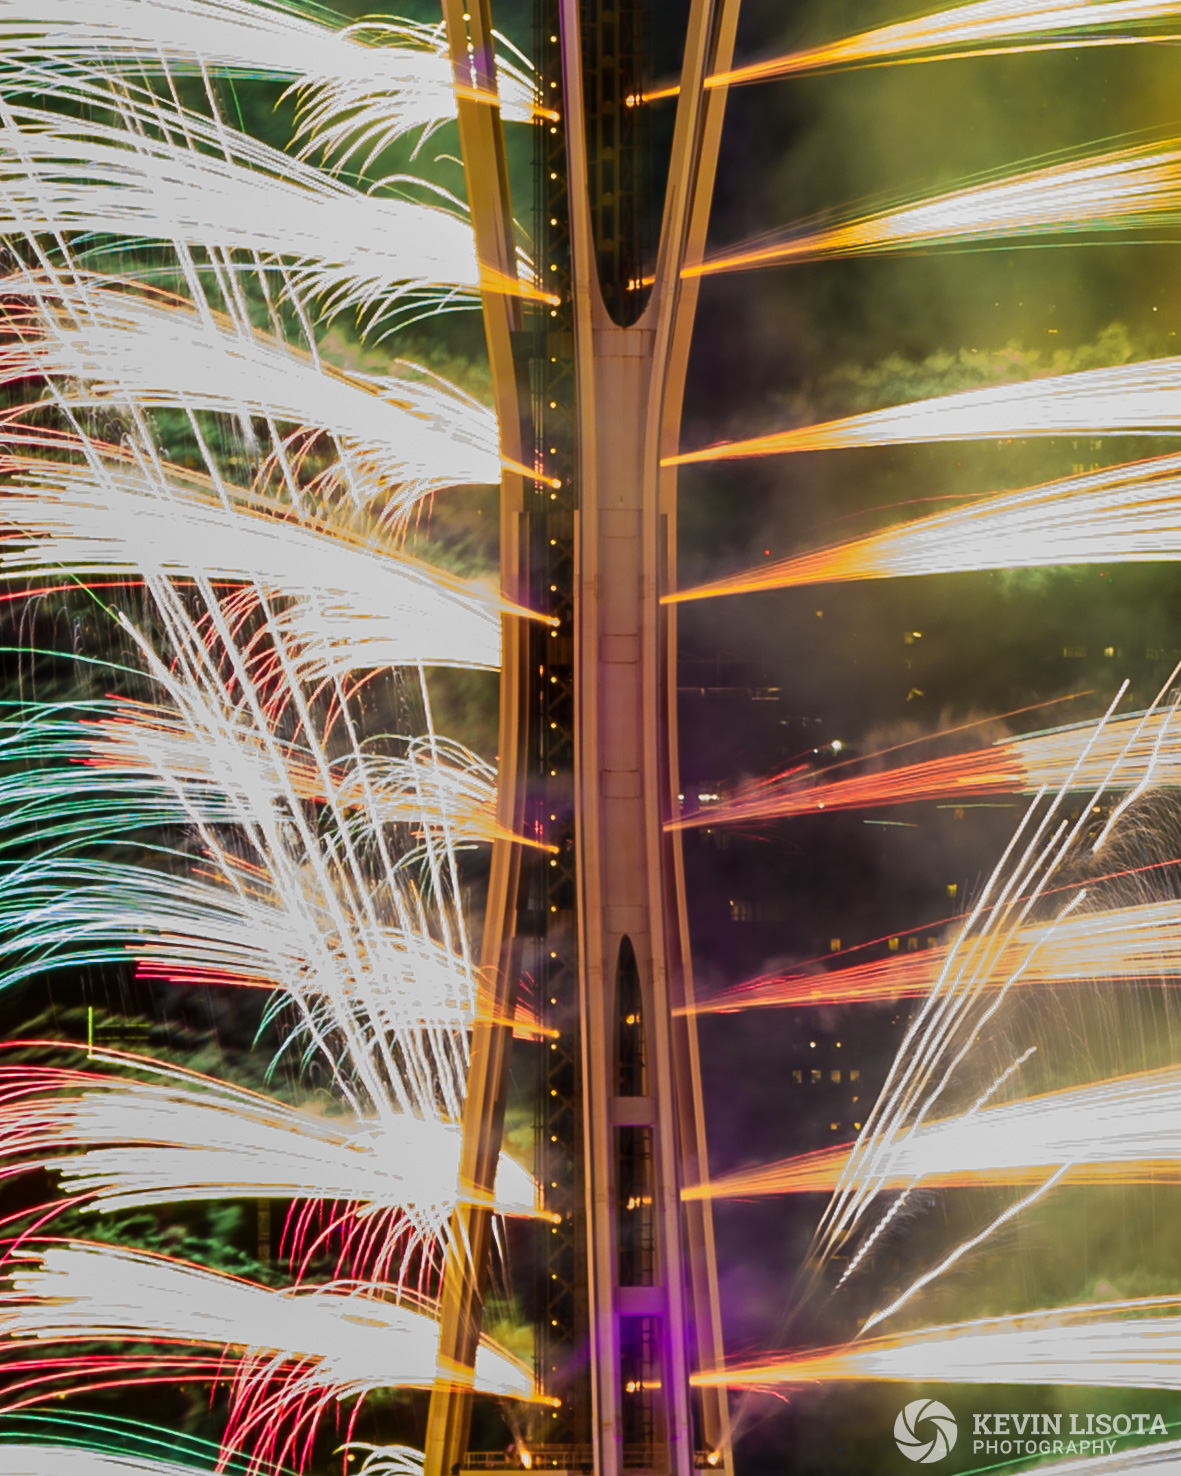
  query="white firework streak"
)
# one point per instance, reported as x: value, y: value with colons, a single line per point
x: 298, y: 1352
x: 60, y: 175
x: 75, y: 1460
x: 369, y: 987
x: 345, y: 933
x: 1114, y: 1345
x: 389, y: 1460
x: 118, y: 764
x: 1125, y: 1130
x: 343, y: 605
x: 1141, y: 399
x: 950, y: 1019
x: 124, y: 1144
x: 397, y: 437
x: 436, y: 783
x: 397, y: 72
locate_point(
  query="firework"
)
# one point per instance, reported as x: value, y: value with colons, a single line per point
x: 1126, y: 1131
x: 1128, y: 189
x: 59, y: 175
x: 295, y: 1354
x: 1078, y: 756
x: 124, y: 1144
x: 988, y: 27
x: 1139, y: 942
x: 223, y: 190
x: 348, y: 76
x: 396, y: 437
x: 403, y: 986
x: 1129, y: 400
x: 984, y: 28
x: 961, y: 1003
x: 74, y: 1460
x: 279, y: 841
x: 1122, y: 514
x: 344, y: 605
x: 1111, y: 1345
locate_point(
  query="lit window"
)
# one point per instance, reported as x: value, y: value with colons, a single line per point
x: 797, y: 1077
x: 855, y: 1074
x: 834, y: 1076
x: 817, y: 1075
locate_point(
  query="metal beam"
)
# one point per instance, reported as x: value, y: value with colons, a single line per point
x: 650, y: 1264
x: 470, y: 40
x: 653, y: 1290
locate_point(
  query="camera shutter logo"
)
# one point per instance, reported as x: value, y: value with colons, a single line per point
x: 925, y: 1430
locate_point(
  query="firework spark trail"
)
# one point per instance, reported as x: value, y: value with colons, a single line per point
x: 124, y: 1144
x: 389, y: 1460
x: 1108, y: 1345
x: 398, y: 72
x: 364, y: 962
x: 1134, y: 188
x: 297, y: 1353
x: 1141, y: 399
x: 1139, y: 942
x: 295, y: 881
x: 74, y: 1460
x: 398, y: 437
x: 1122, y: 514
x: 1127, y: 1130
x: 1010, y: 766
x: 60, y: 175
x: 346, y: 605
x: 960, y: 1005
x: 115, y: 765
x: 282, y: 903
x: 987, y: 27
x: 374, y: 987
x: 434, y: 784
x: 1149, y: 1460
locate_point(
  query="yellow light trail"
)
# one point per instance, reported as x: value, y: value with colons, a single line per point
x: 1128, y: 188
x: 1135, y: 943
x: 1050, y: 760
x: 1122, y: 514
x: 1142, y: 399
x: 987, y: 28
x: 1100, y: 1345
x: 1123, y: 1131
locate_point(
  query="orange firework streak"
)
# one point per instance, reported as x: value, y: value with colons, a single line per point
x: 1129, y: 400
x: 1050, y: 760
x: 1126, y: 1130
x: 1133, y: 943
x: 820, y: 1172
x: 1129, y: 188
x: 996, y: 770
x: 1122, y: 514
x: 1104, y: 1344
x: 992, y: 28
